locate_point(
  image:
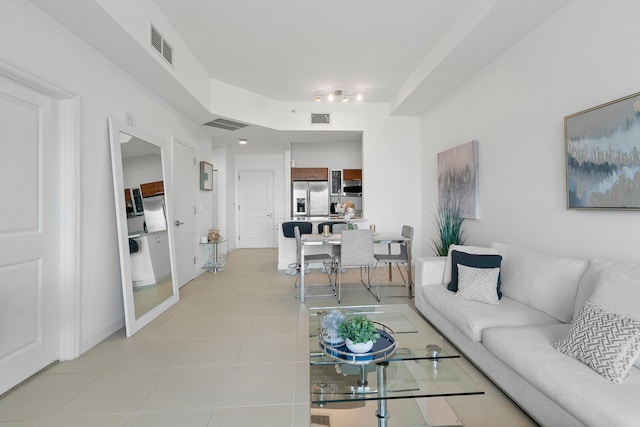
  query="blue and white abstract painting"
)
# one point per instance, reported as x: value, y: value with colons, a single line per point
x: 603, y: 156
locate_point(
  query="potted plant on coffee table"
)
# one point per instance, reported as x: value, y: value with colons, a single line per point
x: 359, y: 333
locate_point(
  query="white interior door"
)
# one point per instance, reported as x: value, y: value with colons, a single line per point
x: 185, y: 180
x: 255, y: 209
x: 29, y: 233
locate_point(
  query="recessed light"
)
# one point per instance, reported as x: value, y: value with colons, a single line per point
x: 242, y: 141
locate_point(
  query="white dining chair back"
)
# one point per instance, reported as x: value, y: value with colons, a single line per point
x: 403, y: 257
x: 326, y: 260
x: 337, y: 228
x: 356, y: 250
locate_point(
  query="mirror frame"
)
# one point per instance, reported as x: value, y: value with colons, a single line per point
x: 132, y: 323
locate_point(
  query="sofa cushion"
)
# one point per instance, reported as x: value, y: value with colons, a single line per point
x: 546, y: 282
x: 466, y: 249
x: 472, y: 260
x: 593, y: 275
x: 472, y: 317
x: 619, y: 294
x: 478, y: 284
x: 606, y: 342
x: 573, y: 385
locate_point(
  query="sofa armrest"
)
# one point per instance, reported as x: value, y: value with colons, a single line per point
x: 429, y: 271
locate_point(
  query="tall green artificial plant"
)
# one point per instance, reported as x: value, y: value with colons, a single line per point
x: 448, y: 222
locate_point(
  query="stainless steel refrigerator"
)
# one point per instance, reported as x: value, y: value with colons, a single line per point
x: 310, y: 198
x: 154, y: 213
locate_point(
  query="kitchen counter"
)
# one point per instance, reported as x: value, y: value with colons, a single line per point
x: 318, y: 219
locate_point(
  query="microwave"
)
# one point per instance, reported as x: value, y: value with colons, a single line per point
x: 352, y: 189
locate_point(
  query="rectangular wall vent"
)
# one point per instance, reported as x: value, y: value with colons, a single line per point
x: 161, y: 45
x: 320, y: 118
x: 225, y: 124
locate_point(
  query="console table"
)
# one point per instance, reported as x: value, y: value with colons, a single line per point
x: 216, y: 255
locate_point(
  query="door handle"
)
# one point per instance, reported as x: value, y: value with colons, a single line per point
x: 179, y: 223
x: 269, y: 214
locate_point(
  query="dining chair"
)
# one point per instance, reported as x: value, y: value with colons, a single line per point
x: 337, y: 229
x: 339, y: 226
x: 403, y: 257
x: 331, y: 225
x: 326, y: 260
x: 357, y: 251
x: 288, y: 232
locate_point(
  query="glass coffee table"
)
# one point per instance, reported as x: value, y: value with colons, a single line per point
x: 404, y: 388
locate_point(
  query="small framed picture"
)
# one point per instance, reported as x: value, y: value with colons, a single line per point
x: 206, y: 176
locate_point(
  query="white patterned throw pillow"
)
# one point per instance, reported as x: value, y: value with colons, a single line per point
x: 604, y: 341
x: 478, y: 284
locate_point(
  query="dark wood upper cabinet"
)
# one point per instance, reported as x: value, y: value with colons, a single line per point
x: 152, y: 188
x: 309, y: 174
x: 352, y: 174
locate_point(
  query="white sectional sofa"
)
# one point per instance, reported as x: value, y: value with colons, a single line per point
x: 512, y: 341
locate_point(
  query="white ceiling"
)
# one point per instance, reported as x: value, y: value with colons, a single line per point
x: 407, y: 53
x: 289, y: 50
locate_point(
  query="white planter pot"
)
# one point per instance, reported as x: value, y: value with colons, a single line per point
x: 361, y: 347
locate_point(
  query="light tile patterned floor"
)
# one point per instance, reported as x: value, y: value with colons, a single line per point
x: 232, y: 353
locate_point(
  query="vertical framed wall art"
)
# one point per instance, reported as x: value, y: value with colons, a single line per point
x: 603, y: 156
x: 458, y: 186
x: 206, y: 176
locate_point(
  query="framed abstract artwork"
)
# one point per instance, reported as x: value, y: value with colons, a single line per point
x: 206, y: 176
x: 458, y: 186
x: 603, y: 156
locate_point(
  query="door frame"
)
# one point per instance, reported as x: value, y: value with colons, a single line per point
x: 67, y: 107
x: 176, y: 140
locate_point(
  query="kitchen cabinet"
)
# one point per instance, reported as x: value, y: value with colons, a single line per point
x: 152, y: 188
x: 309, y: 174
x: 336, y: 182
x: 133, y: 202
x: 352, y: 174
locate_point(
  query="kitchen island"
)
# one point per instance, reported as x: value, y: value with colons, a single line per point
x: 287, y: 245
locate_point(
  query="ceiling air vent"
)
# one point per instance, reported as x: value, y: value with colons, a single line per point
x: 320, y: 119
x: 225, y: 124
x: 161, y: 46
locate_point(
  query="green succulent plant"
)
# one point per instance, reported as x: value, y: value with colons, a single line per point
x: 358, y: 329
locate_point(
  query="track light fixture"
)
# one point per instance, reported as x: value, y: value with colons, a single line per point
x: 338, y: 95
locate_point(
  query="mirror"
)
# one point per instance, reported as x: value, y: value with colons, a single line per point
x: 145, y: 241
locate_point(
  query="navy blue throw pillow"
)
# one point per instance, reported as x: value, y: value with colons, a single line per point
x: 472, y: 260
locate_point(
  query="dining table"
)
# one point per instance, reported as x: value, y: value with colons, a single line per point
x: 307, y: 240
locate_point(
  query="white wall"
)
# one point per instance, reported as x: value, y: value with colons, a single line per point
x: 332, y: 155
x: 583, y: 56
x: 390, y: 160
x: 50, y: 52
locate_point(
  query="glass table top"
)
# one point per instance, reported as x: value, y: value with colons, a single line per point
x: 412, y: 372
